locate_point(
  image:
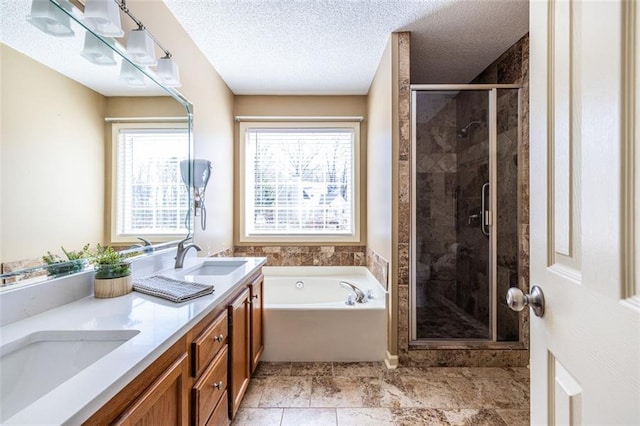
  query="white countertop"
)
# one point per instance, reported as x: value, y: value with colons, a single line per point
x: 160, y: 323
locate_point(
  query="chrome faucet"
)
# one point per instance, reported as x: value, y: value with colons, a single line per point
x: 146, y: 246
x: 182, y: 251
x: 360, y: 296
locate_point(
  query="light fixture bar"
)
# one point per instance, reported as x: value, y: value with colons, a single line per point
x: 123, y: 6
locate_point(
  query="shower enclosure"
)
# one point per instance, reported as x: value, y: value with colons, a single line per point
x: 464, y: 224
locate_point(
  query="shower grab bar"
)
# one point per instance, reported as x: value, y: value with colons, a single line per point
x: 484, y: 213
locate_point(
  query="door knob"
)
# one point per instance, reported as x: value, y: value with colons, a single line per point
x: 517, y: 300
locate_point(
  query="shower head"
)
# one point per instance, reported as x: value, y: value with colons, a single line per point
x: 464, y: 132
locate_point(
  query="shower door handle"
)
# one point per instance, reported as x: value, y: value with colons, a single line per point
x: 484, y: 213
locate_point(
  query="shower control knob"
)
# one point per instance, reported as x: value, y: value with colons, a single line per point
x: 517, y: 300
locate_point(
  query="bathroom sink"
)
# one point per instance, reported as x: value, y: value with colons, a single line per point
x: 217, y: 267
x: 39, y: 362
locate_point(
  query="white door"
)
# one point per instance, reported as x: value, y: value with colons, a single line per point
x: 585, y: 350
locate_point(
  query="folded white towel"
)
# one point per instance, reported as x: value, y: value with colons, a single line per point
x: 171, y: 289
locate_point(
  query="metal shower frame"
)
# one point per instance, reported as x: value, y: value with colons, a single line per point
x: 492, y: 91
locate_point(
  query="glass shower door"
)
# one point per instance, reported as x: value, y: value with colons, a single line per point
x: 451, y: 249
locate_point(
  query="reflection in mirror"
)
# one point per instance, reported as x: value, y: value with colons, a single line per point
x: 85, y: 158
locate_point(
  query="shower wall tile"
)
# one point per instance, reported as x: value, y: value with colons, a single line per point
x: 437, y: 145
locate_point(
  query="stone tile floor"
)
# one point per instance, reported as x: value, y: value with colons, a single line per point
x: 368, y: 394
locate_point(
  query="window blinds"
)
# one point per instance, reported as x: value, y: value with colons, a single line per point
x: 151, y: 197
x: 299, y: 181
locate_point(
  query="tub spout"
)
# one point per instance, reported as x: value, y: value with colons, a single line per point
x: 360, y: 296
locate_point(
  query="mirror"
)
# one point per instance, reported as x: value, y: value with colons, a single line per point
x: 79, y: 160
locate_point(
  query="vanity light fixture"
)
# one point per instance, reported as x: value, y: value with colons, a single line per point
x: 132, y: 75
x: 49, y: 19
x: 140, y: 47
x: 168, y: 72
x: 103, y: 17
x: 96, y: 51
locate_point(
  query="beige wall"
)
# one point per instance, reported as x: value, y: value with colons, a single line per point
x: 310, y: 106
x: 144, y: 106
x: 380, y: 161
x: 52, y: 160
x: 213, y: 119
x: 379, y: 110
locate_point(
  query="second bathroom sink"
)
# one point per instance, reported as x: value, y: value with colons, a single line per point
x: 217, y: 267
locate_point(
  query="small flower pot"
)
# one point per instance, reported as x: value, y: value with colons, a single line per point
x: 113, y: 280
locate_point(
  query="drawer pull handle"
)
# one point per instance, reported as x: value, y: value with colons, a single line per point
x: 255, y: 296
x: 219, y: 338
x: 218, y: 385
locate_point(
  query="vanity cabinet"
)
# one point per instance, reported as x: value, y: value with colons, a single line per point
x: 158, y: 395
x: 240, y: 361
x: 210, y: 358
x: 164, y: 402
x: 256, y: 289
x: 202, y: 378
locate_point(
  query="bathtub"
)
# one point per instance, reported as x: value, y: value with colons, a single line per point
x: 306, y: 318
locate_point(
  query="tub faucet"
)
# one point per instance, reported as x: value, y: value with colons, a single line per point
x: 360, y: 296
x: 182, y: 251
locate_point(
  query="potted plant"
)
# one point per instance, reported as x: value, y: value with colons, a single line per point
x: 113, y: 273
x: 76, y: 261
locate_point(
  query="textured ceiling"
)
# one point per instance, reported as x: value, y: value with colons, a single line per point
x: 302, y: 46
x: 334, y: 47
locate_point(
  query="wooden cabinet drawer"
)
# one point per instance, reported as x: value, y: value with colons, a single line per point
x: 209, y: 389
x: 206, y: 346
x: 220, y: 416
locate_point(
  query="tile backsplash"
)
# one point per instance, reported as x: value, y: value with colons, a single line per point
x: 306, y: 255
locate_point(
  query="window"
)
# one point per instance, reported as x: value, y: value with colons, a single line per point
x: 149, y: 197
x: 299, y: 181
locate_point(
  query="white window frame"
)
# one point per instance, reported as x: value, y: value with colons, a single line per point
x: 115, y: 136
x: 244, y: 237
